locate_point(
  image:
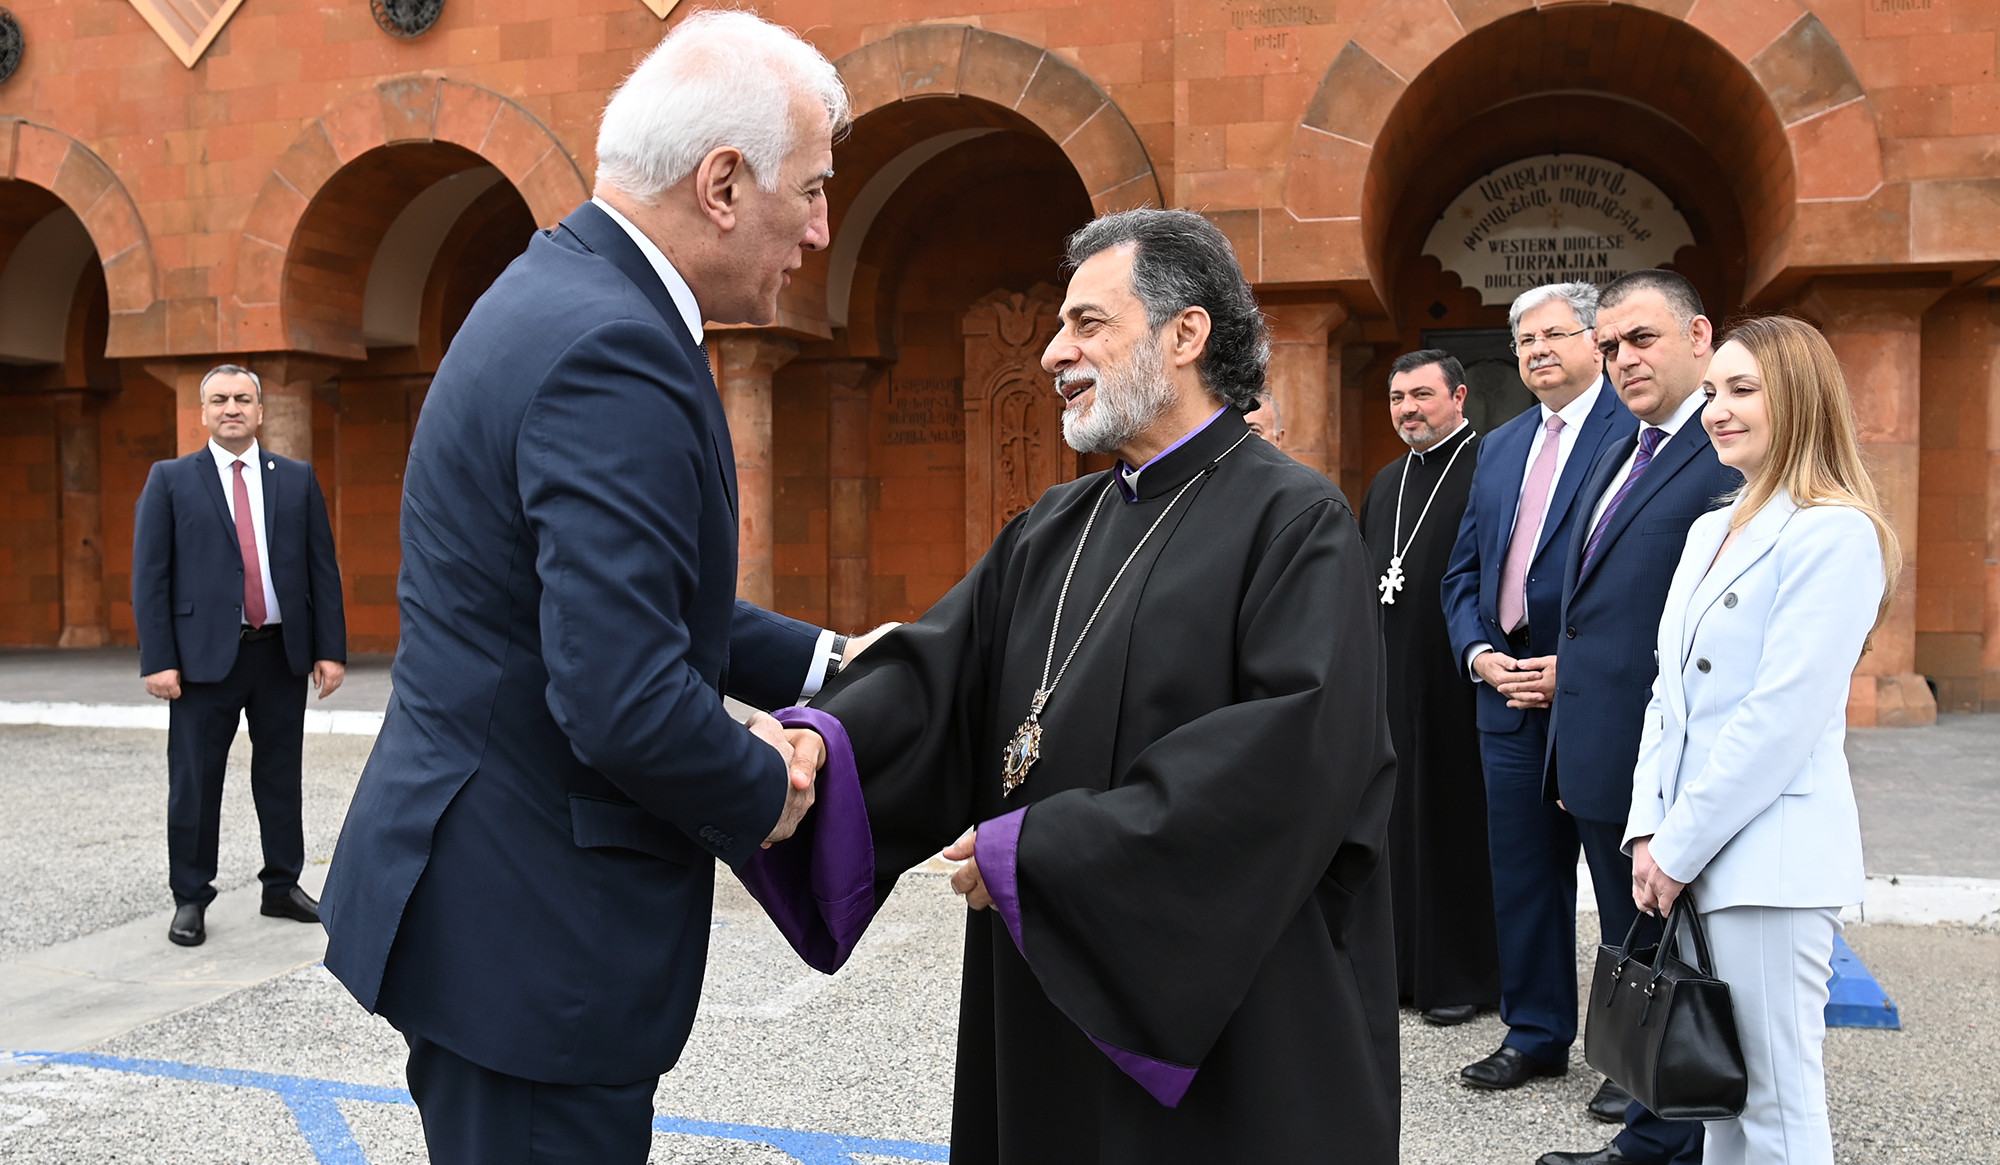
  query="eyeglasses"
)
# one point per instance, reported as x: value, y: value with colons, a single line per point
x: 1524, y: 342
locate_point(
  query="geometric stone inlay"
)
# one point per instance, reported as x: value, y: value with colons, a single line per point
x: 188, y: 26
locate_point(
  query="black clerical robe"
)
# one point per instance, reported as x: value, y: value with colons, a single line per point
x: 1190, y: 859
x: 1446, y: 952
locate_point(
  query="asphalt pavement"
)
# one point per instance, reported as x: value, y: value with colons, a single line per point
x: 117, y: 1047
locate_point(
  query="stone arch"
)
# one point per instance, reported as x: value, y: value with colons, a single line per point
x: 56, y: 162
x: 399, y: 111
x: 956, y: 60
x: 1805, y: 131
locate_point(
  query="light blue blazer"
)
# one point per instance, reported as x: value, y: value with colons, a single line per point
x: 1742, y: 775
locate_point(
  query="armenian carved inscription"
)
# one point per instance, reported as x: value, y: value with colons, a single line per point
x: 1557, y: 218
x: 1013, y: 419
x: 924, y: 411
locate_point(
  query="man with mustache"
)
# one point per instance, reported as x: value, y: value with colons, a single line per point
x: 1159, y: 699
x: 1503, y: 602
x: 1447, y: 966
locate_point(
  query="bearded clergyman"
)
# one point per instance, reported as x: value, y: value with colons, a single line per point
x: 1447, y: 957
x: 1159, y: 697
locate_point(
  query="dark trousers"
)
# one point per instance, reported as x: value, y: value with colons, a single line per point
x: 1533, y: 849
x: 476, y: 1116
x: 1646, y: 1138
x: 201, y: 726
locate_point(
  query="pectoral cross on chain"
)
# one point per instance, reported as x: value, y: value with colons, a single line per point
x: 1392, y: 581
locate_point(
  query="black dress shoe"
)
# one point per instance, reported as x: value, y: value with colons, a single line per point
x: 1609, y: 1103
x: 295, y: 904
x: 1451, y: 1016
x: 187, y: 929
x: 1508, y: 1068
x: 1608, y: 1155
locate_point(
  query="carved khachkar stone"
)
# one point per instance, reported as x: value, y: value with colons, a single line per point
x: 1013, y: 421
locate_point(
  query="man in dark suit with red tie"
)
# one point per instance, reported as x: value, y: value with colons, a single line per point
x: 237, y: 598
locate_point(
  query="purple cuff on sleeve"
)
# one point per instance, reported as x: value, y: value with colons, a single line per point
x: 818, y: 886
x: 1167, y: 1083
x: 998, y: 851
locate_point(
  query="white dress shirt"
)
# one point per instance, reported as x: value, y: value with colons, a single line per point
x: 1690, y: 408
x: 690, y: 312
x: 253, y: 482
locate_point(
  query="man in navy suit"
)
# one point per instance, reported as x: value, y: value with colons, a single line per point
x: 237, y: 597
x: 524, y: 881
x: 1644, y: 493
x: 1503, y: 607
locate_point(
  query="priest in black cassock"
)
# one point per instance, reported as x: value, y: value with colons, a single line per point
x: 1160, y: 699
x: 1447, y: 958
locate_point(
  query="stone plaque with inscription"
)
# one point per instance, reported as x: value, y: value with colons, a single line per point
x: 1558, y: 218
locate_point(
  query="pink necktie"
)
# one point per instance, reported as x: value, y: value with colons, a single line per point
x: 1528, y: 530
x: 246, y: 540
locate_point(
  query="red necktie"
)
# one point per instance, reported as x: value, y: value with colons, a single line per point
x: 246, y: 540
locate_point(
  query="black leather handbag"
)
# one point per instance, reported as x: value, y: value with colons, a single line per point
x: 1665, y: 1030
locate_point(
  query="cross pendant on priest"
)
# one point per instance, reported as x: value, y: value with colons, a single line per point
x: 1392, y: 581
x: 1025, y: 748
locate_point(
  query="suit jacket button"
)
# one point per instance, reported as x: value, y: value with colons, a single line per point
x: 1729, y: 600
x: 1701, y: 665
x: 1569, y: 633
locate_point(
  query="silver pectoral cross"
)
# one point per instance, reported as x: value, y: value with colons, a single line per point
x: 1392, y: 581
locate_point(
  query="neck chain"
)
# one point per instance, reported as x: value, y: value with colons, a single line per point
x: 1392, y: 579
x: 1025, y: 748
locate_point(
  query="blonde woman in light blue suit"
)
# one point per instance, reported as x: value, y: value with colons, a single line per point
x: 1741, y: 788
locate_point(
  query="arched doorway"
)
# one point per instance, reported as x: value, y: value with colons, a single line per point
x: 906, y: 440
x: 385, y: 263
x: 1630, y: 87
x: 59, y: 386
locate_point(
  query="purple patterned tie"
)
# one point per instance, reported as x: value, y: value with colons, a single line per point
x: 1528, y: 529
x: 1649, y: 441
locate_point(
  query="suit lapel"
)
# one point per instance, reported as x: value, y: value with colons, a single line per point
x: 1756, y: 541
x: 1677, y: 454
x: 605, y: 238
x: 211, y: 484
x: 1695, y: 557
x: 1601, y: 475
x: 1582, y: 460
x: 269, y: 472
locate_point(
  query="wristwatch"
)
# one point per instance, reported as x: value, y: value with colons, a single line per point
x: 834, y: 654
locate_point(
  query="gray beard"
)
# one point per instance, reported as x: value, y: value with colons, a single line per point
x: 1125, y: 403
x: 1424, y: 438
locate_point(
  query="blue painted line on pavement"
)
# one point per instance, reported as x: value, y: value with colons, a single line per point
x: 313, y: 1104
x: 1854, y: 998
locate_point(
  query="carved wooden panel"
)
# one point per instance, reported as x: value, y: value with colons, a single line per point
x: 1013, y: 421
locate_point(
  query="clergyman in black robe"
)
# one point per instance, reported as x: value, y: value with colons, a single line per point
x: 1169, y: 973
x: 1447, y: 958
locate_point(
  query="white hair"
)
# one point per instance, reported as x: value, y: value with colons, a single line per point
x: 720, y: 78
x: 1581, y: 298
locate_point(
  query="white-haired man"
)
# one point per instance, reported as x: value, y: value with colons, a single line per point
x: 523, y: 884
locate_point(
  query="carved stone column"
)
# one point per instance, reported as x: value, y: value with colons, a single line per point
x: 745, y: 362
x: 77, y: 452
x: 1302, y: 377
x: 1876, y: 330
x: 1013, y: 421
x: 850, y: 385
x: 290, y: 380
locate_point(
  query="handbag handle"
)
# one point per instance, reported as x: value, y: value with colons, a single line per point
x: 1692, y: 914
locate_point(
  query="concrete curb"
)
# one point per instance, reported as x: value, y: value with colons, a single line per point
x: 154, y: 716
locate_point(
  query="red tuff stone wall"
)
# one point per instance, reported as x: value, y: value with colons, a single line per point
x: 1953, y: 516
x: 30, y: 524
x: 137, y: 430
